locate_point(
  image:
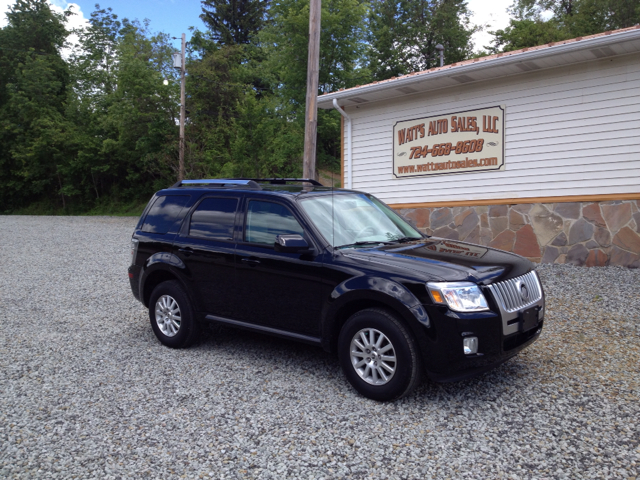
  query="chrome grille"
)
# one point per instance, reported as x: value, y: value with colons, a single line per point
x: 509, y: 293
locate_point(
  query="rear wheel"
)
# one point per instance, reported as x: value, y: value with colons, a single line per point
x: 171, y: 315
x: 378, y: 355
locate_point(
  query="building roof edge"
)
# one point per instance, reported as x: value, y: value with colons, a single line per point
x: 501, y: 59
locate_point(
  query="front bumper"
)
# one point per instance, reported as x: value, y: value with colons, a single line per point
x: 500, y: 337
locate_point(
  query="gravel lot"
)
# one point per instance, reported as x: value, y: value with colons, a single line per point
x: 87, y: 391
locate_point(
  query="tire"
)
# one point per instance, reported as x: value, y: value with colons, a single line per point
x: 171, y: 315
x: 378, y: 355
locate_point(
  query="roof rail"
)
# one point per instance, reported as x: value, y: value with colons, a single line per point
x: 246, y: 182
x: 219, y: 183
x: 283, y: 181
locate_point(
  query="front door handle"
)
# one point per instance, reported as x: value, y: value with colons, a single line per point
x: 252, y: 262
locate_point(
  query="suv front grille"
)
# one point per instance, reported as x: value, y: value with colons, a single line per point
x: 509, y: 294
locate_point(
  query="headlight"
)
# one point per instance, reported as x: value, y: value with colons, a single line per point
x: 459, y: 296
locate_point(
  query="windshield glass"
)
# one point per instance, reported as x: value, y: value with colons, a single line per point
x: 357, y: 218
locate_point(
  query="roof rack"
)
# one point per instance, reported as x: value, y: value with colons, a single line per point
x: 283, y: 181
x: 218, y: 182
x: 246, y: 182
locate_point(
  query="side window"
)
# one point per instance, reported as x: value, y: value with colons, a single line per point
x: 214, y: 218
x: 265, y: 220
x: 165, y: 213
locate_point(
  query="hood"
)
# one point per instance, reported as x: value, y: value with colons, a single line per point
x: 441, y: 259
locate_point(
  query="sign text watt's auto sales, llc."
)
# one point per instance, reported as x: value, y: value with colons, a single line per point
x: 461, y: 142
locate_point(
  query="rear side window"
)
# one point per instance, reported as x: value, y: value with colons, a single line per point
x: 165, y: 213
x: 265, y: 220
x: 214, y: 218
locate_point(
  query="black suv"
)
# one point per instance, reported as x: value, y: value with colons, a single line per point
x: 334, y: 268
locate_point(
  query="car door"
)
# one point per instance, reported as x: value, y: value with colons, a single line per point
x: 276, y: 289
x: 206, y: 246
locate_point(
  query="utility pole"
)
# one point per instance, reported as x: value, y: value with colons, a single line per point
x: 182, y: 114
x: 311, y: 113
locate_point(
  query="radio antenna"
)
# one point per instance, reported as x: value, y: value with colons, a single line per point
x: 333, y: 217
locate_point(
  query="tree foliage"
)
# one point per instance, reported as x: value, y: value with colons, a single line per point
x: 34, y: 134
x: 404, y: 33
x: 246, y: 101
x: 233, y: 22
x: 98, y: 125
x: 536, y: 22
x: 342, y: 54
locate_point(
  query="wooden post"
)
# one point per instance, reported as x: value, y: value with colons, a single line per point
x: 311, y: 114
x: 182, y: 114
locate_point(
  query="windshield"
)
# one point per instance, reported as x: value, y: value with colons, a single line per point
x: 357, y: 218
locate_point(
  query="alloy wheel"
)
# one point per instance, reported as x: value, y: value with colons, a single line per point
x: 168, y: 315
x: 373, y: 356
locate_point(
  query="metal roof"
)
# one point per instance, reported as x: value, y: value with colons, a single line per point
x: 551, y: 55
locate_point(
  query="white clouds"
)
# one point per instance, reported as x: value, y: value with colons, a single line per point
x: 58, y: 6
x: 4, y: 7
x: 75, y: 21
x: 493, y: 14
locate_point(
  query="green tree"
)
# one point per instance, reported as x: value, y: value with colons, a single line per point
x: 140, y: 126
x: 95, y: 60
x: 33, y: 88
x: 528, y: 33
x: 93, y: 66
x: 125, y: 130
x: 215, y: 89
x: 536, y: 22
x: 404, y: 34
x: 343, y: 45
x: 264, y: 142
x: 233, y: 128
x: 234, y: 22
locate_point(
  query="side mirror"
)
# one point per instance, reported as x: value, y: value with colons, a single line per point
x: 291, y: 244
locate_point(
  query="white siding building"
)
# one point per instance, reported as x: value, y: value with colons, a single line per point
x: 569, y: 186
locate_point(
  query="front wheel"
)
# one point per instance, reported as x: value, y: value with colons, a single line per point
x: 378, y: 355
x: 171, y: 315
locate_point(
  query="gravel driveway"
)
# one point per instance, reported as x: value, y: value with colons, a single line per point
x: 87, y: 391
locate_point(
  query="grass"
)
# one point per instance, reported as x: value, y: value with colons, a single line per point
x: 132, y: 209
x: 106, y: 208
x: 329, y: 178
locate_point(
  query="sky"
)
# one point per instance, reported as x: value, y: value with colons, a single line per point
x: 493, y: 15
x: 176, y: 16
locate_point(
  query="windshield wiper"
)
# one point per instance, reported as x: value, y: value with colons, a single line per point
x: 366, y: 242
x: 406, y: 239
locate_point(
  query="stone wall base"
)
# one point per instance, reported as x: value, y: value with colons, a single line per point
x: 587, y: 233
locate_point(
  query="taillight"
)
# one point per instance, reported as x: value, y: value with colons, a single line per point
x: 134, y: 250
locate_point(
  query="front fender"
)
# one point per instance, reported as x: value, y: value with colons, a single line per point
x: 375, y: 291
x: 376, y: 284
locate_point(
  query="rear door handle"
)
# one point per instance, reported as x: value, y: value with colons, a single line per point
x: 251, y: 261
x: 187, y: 251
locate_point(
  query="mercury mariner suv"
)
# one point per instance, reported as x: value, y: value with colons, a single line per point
x: 334, y: 268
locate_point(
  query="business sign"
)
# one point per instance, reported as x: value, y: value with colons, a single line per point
x: 471, y: 141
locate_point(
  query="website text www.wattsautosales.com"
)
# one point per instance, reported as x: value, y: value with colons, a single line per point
x: 468, y: 146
